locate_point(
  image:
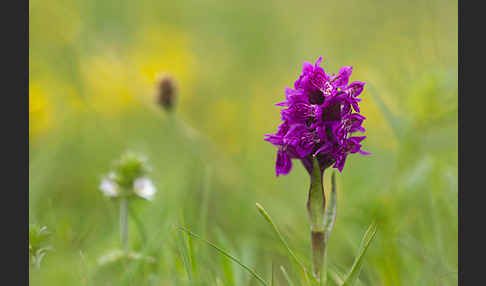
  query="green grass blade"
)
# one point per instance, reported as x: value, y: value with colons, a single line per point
x: 267, y: 217
x: 286, y: 276
x: 183, y: 249
x: 192, y: 256
x: 185, y: 257
x: 353, y: 275
x: 336, y: 276
x: 251, y: 271
x: 227, y: 270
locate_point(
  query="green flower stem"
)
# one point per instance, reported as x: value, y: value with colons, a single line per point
x: 124, y: 222
x: 329, y: 220
x: 316, y: 204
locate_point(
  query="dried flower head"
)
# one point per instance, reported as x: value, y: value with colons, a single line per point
x: 166, y: 91
x: 321, y: 114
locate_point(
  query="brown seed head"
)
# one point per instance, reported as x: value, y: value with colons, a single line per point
x: 166, y: 91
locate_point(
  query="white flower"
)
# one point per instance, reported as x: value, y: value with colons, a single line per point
x: 144, y: 188
x: 109, y: 187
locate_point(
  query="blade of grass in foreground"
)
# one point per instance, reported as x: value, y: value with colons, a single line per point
x: 286, y: 276
x: 352, y: 277
x: 185, y: 257
x: 267, y: 217
x: 251, y: 271
x: 182, y: 245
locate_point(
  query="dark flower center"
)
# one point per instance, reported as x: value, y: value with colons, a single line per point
x: 316, y: 97
x: 331, y: 113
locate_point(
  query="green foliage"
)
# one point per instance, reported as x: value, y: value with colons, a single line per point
x: 38, y: 244
x: 353, y: 274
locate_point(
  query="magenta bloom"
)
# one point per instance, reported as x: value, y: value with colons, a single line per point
x: 321, y: 113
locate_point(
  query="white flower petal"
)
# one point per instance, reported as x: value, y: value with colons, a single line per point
x: 144, y: 188
x: 109, y: 187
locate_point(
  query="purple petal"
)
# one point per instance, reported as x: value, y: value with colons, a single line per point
x: 283, y: 164
x: 323, y: 149
x: 342, y: 78
x: 355, y: 88
x: 340, y: 163
x: 364, y: 152
x: 307, y: 67
x: 274, y: 139
x: 357, y: 139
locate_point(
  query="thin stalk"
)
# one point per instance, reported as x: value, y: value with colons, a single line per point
x: 124, y: 223
x: 316, y: 203
x: 138, y: 223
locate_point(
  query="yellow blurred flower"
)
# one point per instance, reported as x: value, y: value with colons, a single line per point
x: 55, y: 22
x: 110, y: 88
x: 40, y: 111
x: 163, y: 50
x: 113, y: 81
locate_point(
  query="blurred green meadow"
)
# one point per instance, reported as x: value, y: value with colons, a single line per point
x: 93, y: 66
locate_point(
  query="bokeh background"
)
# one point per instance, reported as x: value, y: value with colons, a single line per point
x: 93, y: 65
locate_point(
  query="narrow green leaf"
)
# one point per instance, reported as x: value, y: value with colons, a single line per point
x: 227, y: 266
x: 192, y: 256
x: 267, y: 217
x: 330, y: 216
x: 336, y: 276
x: 251, y: 271
x: 228, y: 272
x: 286, y: 276
x: 353, y: 274
x: 182, y: 245
x: 329, y: 219
x: 185, y: 258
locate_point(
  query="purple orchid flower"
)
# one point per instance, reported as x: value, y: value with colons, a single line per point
x: 318, y: 120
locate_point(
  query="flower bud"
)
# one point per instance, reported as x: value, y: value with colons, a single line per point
x: 129, y: 178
